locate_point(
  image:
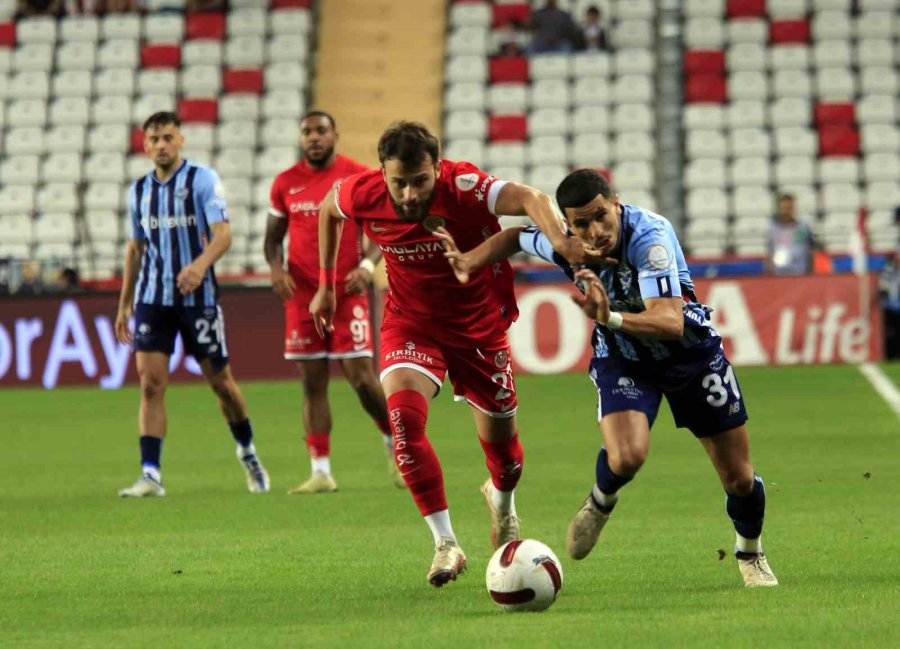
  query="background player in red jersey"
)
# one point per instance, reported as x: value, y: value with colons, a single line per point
x: 296, y: 195
x: 432, y: 324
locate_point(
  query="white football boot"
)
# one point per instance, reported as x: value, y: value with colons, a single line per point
x: 257, y: 476
x: 584, y: 530
x: 144, y: 487
x: 449, y: 561
x: 318, y: 483
x: 504, y: 527
x: 755, y: 570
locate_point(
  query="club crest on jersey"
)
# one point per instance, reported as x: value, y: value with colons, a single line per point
x: 182, y: 193
x: 432, y: 222
x: 717, y: 363
x: 143, y: 329
x: 658, y: 257
x: 358, y: 312
x: 626, y: 382
x: 410, y: 346
x: 466, y: 182
x: 501, y: 359
x: 625, y: 277
x: 209, y: 313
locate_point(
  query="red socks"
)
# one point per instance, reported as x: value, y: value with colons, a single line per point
x: 504, y: 461
x: 416, y: 459
x: 318, y: 445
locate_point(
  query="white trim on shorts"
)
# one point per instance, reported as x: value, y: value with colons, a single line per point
x: 305, y: 357
x: 412, y: 366
x: 347, y: 355
x: 494, y: 415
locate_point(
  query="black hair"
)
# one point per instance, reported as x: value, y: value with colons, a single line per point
x: 70, y: 275
x: 162, y: 118
x: 408, y: 142
x: 320, y: 113
x: 786, y: 196
x: 581, y: 187
x: 593, y: 10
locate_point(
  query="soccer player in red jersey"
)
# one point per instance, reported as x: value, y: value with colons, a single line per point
x: 296, y: 195
x: 432, y: 324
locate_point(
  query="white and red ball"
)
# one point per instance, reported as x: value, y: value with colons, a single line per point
x: 524, y: 576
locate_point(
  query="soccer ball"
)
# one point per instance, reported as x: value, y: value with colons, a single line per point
x: 524, y: 576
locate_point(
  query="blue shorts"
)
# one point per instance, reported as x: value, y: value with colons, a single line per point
x: 708, y: 403
x: 202, y: 329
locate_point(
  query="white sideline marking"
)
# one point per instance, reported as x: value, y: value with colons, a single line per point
x: 882, y: 385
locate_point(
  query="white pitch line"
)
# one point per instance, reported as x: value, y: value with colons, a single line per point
x: 882, y: 385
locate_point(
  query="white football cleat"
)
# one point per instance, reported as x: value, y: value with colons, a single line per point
x: 449, y: 561
x: 504, y: 527
x: 318, y: 483
x: 394, y: 473
x: 755, y: 570
x: 257, y: 476
x: 584, y: 530
x: 145, y: 487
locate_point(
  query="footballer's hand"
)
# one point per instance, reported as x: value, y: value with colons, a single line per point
x: 283, y: 284
x: 578, y: 252
x: 190, y: 278
x: 459, y: 261
x: 358, y: 281
x: 122, y: 328
x: 322, y: 309
x: 595, y: 302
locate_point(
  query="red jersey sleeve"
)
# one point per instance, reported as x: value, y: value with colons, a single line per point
x: 473, y: 188
x: 356, y: 196
x: 277, y: 206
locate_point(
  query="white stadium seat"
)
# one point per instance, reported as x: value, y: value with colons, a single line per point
x: 17, y: 228
x: 746, y: 56
x: 24, y: 141
x: 636, y: 145
x: 271, y: 161
x: 157, y: 82
x: 70, y: 111
x: 880, y: 138
x: 146, y: 105
x: 839, y: 170
x: 36, y: 29
x: 750, y: 142
x: 105, y: 167
x: 548, y: 66
x: 239, y: 106
x: 33, y: 56
x: 103, y: 196
x: 789, y: 57
x: 73, y: 83
x: 706, y: 203
x: 882, y: 195
x: 835, y: 84
x: 706, y: 144
x: 703, y: 116
x: 289, y: 21
x: 832, y: 54
x: 26, y: 112
x: 121, y: 25
x: 591, y: 150
x: 464, y: 96
x: 119, y: 53
x: 275, y: 132
x: 138, y: 165
x: 634, y: 175
x: 748, y: 84
x: 506, y: 154
x: 633, y: 89
x: 751, y: 202
x: 233, y: 163
x: 634, y: 61
x: 201, y: 52
x: 790, y: 111
x: 469, y: 40
x: 791, y: 83
x: 747, y: 30
x: 548, y: 150
x: 238, y: 191
x: 806, y: 198
x: 750, y: 171
x: 164, y: 28
x: 590, y: 119
x: 831, y: 25
x: 282, y: 103
x: 633, y: 33
x: 113, y: 138
x: 82, y: 28
x: 67, y: 139
x: 465, y: 124
x: 76, y: 55
x: 473, y: 151
x: 875, y: 24
x: 471, y: 14
x: 247, y: 22
x: 551, y: 93
x: 19, y: 170
x: 875, y: 53
x: 245, y: 52
x: 694, y: 8
x: 786, y: 9
x: 795, y: 140
x: 201, y: 81
x: 840, y: 197
x: 879, y: 80
x: 591, y: 91
x: 746, y: 114
x: 102, y: 225
x: 285, y: 76
x: 199, y: 136
x: 29, y: 85
x: 287, y: 47
x: 508, y: 98
x: 58, y: 197
x: 236, y: 135
x: 55, y: 228
x: 795, y: 170
x: 546, y: 178
x: 633, y: 117
x: 61, y: 168
x: 513, y: 174
x: 704, y: 172
x: 591, y: 64
x: 881, y: 167
x: 114, y: 81
x: 466, y: 68
x: 111, y: 110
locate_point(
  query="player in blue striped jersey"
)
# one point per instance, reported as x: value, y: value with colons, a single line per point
x: 652, y: 338
x: 179, y: 230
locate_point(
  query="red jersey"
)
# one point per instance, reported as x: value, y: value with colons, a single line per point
x: 422, y: 284
x: 296, y: 195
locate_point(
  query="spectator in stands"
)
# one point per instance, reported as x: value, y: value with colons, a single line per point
x: 553, y: 30
x: 30, y: 280
x: 889, y: 290
x: 791, y: 242
x: 83, y: 7
x: 512, y: 39
x: 67, y: 281
x: 593, y: 34
x: 39, y: 8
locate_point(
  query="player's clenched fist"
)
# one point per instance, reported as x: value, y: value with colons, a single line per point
x: 594, y: 302
x: 123, y: 330
x: 322, y: 308
x: 190, y: 278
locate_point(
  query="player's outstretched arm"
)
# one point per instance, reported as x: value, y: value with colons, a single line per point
x: 498, y: 247
x: 126, y: 295
x: 521, y: 200
x: 273, y: 247
x: 331, y: 226
x: 663, y: 317
x: 191, y: 276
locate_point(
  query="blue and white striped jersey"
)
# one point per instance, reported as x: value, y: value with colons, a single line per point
x: 651, y: 265
x: 173, y: 220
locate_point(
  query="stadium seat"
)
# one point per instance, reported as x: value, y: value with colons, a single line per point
x: 33, y: 57
x: 745, y: 114
x: 507, y: 154
x: 806, y: 198
x: 875, y: 24
x: 203, y: 52
x: 835, y: 84
x: 634, y: 145
x: 633, y: 117
x: 747, y: 30
x: 16, y: 199
x: 287, y: 47
x: 201, y: 81
x: 238, y: 191
x: 698, y: 62
x: 750, y: 171
x: 233, y: 163
x: 76, y: 55
x: 750, y: 142
x: 19, y: 170
x: 633, y: 89
x: 245, y: 52
x: 105, y: 167
x: 790, y: 111
x: 243, y: 81
x: 199, y: 136
x: 791, y: 83
x: 705, y: 144
x: 782, y: 9
x: 705, y: 88
x: 508, y: 98
x: 247, y: 21
x: 236, y: 135
x: 874, y: 53
x: 111, y: 110
x: 840, y: 197
x: 198, y: 110
x: 464, y: 96
x: 878, y: 80
x: 749, y: 85
x: 881, y: 167
x: 26, y: 112
x: 473, y: 151
x: 102, y: 225
x: 466, y: 68
x: 591, y: 64
x: 838, y: 140
x: 282, y: 103
x: 67, y: 139
x: 795, y: 140
x: 835, y: 113
x: 590, y: 119
x: 708, y: 203
x: 103, y: 196
x: 839, y: 170
x: 82, y: 28
x: 17, y: 229
x: 205, y: 25
x: 61, y: 168
x: 746, y: 57
x: 198, y: 156
x: 789, y: 57
x: 782, y: 32
x: 161, y: 56
x: 704, y: 172
x: 36, y: 29
x: 795, y: 170
x: 58, y: 197
x: 289, y: 21
x: 512, y: 173
x: 273, y: 160
x: 635, y: 175
x: 551, y: 93
x: 285, y: 76
x: 550, y: 66
x: 469, y: 40
x: 591, y: 91
x: 24, y: 141
x: 157, y: 82
x: 261, y: 190
x: 695, y: 8
x: 470, y: 14
x: 146, y: 105
x: 636, y: 61
x: 747, y: 201
x: 633, y: 33
x: 55, y: 228
x: 164, y: 28
x: 109, y: 138
x: 831, y: 25
x: 879, y: 138
x: 276, y: 132
x: 882, y: 195
x: 237, y: 107
x: 29, y: 85
x: 546, y: 178
x: 73, y: 83
x: 505, y: 12
x: 118, y: 53
x: 510, y: 69
x: 703, y: 116
x: 832, y: 54
x: 465, y: 124
x: 548, y: 150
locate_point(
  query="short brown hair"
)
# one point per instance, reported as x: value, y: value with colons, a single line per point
x: 408, y: 142
x: 162, y: 118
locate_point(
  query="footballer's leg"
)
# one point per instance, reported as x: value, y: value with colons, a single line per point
x: 317, y: 424
x: 504, y: 456
x: 360, y: 374
x: 745, y: 502
x: 153, y: 371
x: 234, y: 408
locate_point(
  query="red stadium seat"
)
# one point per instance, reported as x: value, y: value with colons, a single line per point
x: 198, y: 110
x: 838, y: 140
x: 704, y: 61
x: 243, y: 80
x: 835, y: 113
x: 746, y: 8
x: 509, y: 69
x: 291, y: 4
x: 137, y: 140
x: 205, y: 25
x: 161, y: 56
x: 7, y: 34
x: 508, y: 128
x: 506, y: 13
x: 789, y: 31
x: 705, y: 88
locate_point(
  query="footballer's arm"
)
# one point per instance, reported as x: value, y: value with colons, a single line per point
x: 191, y: 276
x: 273, y: 247
x: 130, y: 272
x: 497, y: 247
x: 331, y: 226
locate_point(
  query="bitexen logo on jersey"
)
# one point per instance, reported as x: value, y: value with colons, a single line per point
x: 156, y: 222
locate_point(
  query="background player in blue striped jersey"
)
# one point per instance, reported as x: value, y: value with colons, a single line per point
x: 651, y: 338
x: 180, y: 229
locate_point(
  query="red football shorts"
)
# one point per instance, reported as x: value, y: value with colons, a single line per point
x: 483, y: 377
x: 351, y: 338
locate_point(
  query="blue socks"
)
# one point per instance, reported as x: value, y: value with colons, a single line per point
x: 242, y: 431
x: 605, y: 492
x: 151, y: 449
x: 747, y: 512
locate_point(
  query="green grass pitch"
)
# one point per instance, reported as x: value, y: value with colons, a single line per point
x: 211, y: 565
